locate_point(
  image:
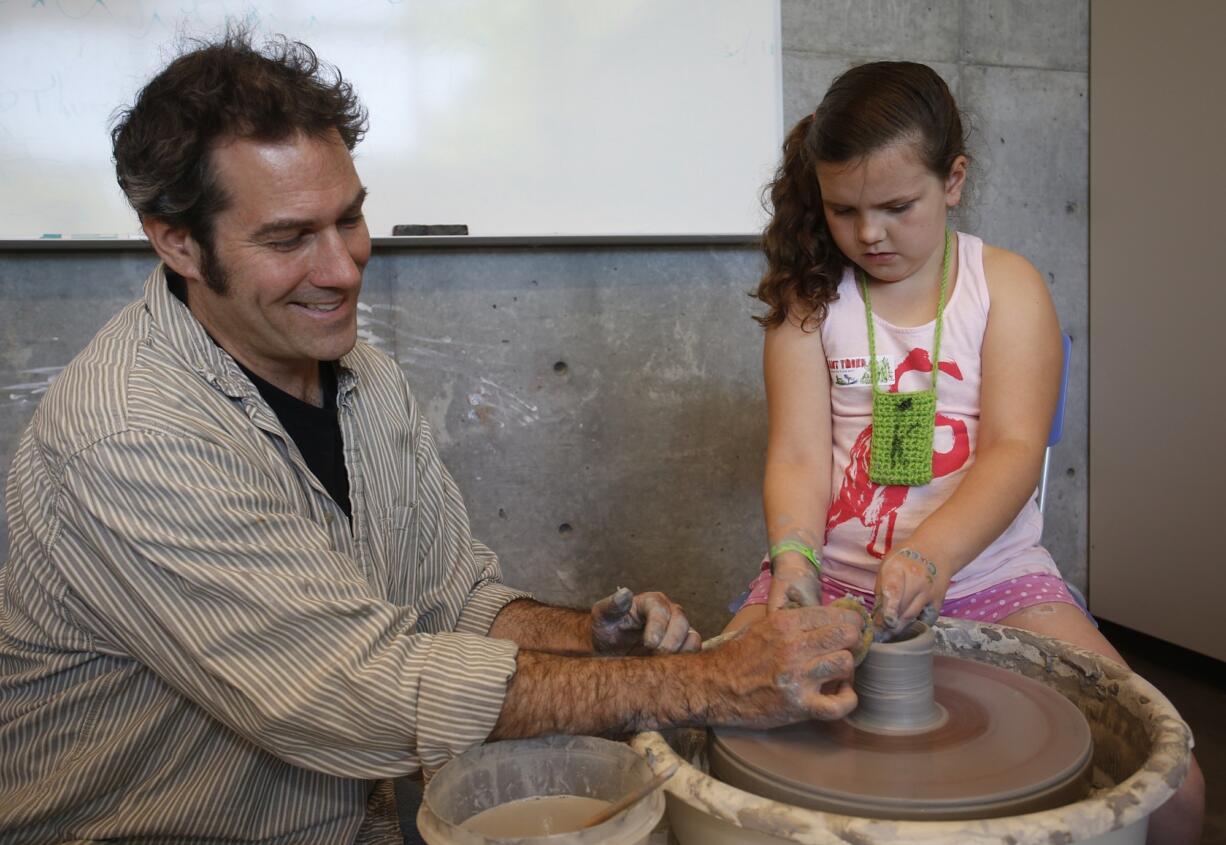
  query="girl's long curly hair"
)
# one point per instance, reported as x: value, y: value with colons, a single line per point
x: 867, y: 108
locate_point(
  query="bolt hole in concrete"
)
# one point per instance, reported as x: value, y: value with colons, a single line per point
x: 966, y: 733
x: 564, y: 528
x: 560, y: 368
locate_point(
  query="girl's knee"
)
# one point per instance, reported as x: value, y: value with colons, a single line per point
x: 1064, y: 622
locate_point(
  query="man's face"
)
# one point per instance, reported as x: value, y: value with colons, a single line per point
x: 289, y: 253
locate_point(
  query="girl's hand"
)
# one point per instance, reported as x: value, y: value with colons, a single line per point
x: 909, y: 585
x: 794, y: 583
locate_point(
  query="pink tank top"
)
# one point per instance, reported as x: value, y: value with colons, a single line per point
x: 865, y: 519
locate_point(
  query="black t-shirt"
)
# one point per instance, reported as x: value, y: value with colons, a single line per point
x: 315, y: 431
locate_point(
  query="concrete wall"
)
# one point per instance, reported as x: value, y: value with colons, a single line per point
x: 601, y: 407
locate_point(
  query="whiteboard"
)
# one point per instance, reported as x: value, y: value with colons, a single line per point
x: 514, y: 117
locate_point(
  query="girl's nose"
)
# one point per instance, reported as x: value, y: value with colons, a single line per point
x: 868, y: 230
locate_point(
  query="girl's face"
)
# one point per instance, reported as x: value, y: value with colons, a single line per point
x: 887, y: 212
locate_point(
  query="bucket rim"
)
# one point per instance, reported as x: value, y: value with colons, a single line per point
x: 639, y: 818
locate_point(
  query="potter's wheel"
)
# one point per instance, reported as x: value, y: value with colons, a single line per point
x: 1002, y: 744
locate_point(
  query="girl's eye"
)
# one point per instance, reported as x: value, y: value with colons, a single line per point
x: 841, y: 212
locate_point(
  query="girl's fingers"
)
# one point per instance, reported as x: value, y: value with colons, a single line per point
x: 914, y: 607
x: 807, y: 593
x: 777, y: 597
x: 891, y: 584
x: 904, y: 590
x: 794, y: 586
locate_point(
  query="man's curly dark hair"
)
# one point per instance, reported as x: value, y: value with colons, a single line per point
x: 217, y: 91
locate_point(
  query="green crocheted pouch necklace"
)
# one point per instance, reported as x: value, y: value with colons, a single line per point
x: 904, y: 423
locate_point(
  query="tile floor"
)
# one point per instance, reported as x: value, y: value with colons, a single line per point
x: 1196, y: 685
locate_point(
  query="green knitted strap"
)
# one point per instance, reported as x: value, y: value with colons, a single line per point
x: 796, y: 546
x: 904, y: 423
x: 936, y: 342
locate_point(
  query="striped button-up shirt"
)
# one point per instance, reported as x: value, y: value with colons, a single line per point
x: 194, y: 641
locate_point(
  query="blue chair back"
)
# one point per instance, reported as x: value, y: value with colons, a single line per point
x: 1057, y: 423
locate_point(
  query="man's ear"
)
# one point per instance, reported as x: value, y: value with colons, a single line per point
x: 175, y: 246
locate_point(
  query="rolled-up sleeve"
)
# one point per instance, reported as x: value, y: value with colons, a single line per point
x: 488, y: 595
x: 462, y: 687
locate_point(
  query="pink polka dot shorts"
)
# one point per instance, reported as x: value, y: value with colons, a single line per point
x: 990, y: 605
x: 999, y: 600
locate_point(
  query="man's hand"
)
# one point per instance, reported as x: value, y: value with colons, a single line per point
x: 791, y: 665
x: 909, y: 586
x: 624, y: 621
x: 794, y: 583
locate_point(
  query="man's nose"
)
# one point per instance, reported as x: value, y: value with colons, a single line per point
x: 337, y: 263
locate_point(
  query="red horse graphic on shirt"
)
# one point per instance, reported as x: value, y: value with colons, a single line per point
x: 876, y: 505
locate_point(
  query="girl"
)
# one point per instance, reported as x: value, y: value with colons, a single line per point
x: 911, y: 377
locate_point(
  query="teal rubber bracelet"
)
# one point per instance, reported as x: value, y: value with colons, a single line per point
x: 796, y: 546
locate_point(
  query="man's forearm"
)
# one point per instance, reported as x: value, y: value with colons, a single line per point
x: 769, y: 673
x: 539, y: 627
x: 556, y: 694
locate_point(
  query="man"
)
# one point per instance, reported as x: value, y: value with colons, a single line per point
x: 242, y: 591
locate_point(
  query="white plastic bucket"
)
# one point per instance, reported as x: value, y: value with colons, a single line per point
x: 496, y: 774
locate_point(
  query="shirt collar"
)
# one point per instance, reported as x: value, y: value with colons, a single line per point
x: 213, y: 363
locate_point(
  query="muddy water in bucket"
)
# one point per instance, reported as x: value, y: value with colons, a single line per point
x: 1140, y: 754
x: 507, y: 789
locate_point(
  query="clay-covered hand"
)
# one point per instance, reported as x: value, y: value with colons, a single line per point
x: 794, y: 583
x: 651, y: 622
x: 856, y: 604
x: 786, y: 667
x: 909, y: 587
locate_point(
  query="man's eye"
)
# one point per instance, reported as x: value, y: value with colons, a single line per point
x: 899, y: 209
x: 287, y: 243
x: 350, y: 222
